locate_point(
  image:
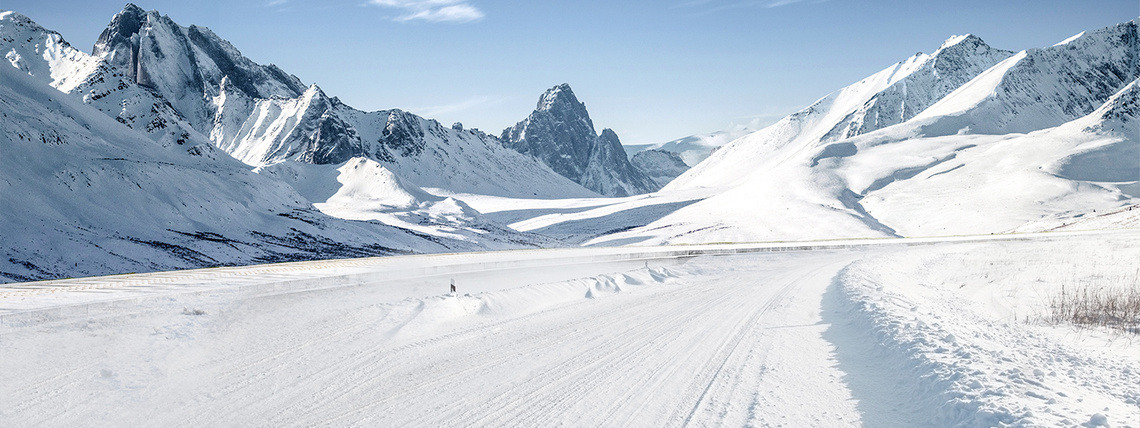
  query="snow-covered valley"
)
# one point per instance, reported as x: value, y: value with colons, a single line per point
x: 898, y: 253
x: 935, y: 332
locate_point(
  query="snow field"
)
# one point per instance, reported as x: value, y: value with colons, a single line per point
x: 964, y: 339
x: 874, y: 335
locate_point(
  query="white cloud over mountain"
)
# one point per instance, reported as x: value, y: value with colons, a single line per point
x: 456, y: 11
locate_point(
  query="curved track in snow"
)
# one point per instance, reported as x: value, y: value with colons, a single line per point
x: 616, y: 337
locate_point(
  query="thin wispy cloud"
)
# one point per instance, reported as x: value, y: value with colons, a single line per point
x: 709, y: 6
x: 454, y: 11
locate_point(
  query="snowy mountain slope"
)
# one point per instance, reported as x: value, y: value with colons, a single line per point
x: 86, y: 195
x: 46, y: 56
x: 183, y: 63
x: 363, y: 189
x: 1043, y: 88
x: 560, y: 133
x: 999, y: 183
x: 261, y: 115
x: 434, y: 225
x: 890, y: 96
x: 923, y: 176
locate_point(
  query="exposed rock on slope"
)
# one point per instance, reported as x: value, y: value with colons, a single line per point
x: 661, y: 165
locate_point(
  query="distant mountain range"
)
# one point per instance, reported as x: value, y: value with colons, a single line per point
x: 160, y: 190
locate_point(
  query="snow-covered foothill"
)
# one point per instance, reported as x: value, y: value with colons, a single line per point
x: 86, y: 195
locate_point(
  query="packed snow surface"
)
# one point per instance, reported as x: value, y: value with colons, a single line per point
x: 880, y: 333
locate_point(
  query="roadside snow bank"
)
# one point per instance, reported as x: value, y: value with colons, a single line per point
x: 961, y: 332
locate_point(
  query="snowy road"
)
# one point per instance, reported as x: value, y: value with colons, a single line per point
x: 761, y: 339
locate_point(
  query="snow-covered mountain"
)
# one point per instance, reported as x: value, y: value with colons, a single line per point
x: 90, y: 194
x: 85, y: 195
x: 560, y: 133
x: 262, y: 115
x: 890, y: 96
x: 183, y: 63
x: 46, y: 56
x: 994, y: 141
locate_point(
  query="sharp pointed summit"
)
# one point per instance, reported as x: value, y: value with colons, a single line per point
x: 561, y: 134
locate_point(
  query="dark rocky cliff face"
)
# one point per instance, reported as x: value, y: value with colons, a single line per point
x: 184, y: 64
x: 660, y: 165
x: 560, y: 133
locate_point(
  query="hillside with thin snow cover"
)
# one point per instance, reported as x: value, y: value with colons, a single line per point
x: 1002, y: 140
x: 661, y: 166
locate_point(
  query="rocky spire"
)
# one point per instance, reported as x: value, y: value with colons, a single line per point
x: 560, y: 133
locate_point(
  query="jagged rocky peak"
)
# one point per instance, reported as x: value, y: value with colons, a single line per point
x: 559, y: 131
x: 561, y: 134
x: 122, y: 28
x: 185, y: 64
x: 403, y: 134
x: 561, y: 98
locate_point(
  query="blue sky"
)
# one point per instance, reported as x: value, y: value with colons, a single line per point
x: 651, y: 70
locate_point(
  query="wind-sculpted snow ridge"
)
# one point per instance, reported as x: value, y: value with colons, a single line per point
x: 413, y: 317
x: 560, y: 133
x: 970, y: 345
